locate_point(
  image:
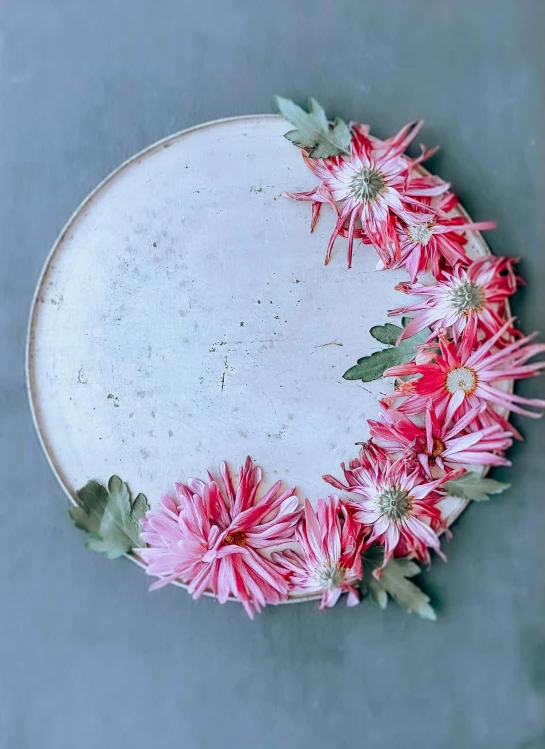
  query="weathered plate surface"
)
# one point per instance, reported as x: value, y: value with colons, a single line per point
x: 185, y: 317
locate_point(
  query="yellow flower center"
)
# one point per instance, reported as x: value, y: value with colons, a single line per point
x: 420, y: 233
x: 438, y: 447
x: 461, y: 378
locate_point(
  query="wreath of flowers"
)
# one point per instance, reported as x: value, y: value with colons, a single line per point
x: 445, y: 415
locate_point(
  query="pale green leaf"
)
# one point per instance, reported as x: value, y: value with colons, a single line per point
x: 372, y: 559
x: 110, y: 517
x: 313, y: 131
x: 318, y: 113
x: 376, y: 592
x: 139, y: 508
x: 92, y: 498
x: 472, y: 486
x: 387, y: 334
x: 373, y: 367
x: 393, y: 580
x: 408, y: 595
x: 409, y: 344
x: 112, y: 546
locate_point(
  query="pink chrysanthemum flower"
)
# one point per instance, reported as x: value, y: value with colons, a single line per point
x: 212, y: 538
x: 470, y: 298
x: 331, y: 542
x: 371, y: 187
x: 461, y: 377
x: 435, y: 243
x: 441, y: 444
x: 396, y: 504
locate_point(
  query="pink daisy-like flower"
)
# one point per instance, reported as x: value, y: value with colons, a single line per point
x: 371, y: 187
x: 461, y: 377
x: 396, y: 503
x: 439, y: 443
x: 436, y: 243
x: 470, y: 298
x: 331, y: 542
x: 212, y: 538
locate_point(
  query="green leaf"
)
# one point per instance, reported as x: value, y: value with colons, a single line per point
x: 92, y: 498
x: 110, y: 517
x: 372, y: 558
x: 371, y: 561
x: 376, y: 593
x: 387, y: 334
x: 373, y: 367
x: 313, y: 130
x: 393, y: 581
x: 472, y: 486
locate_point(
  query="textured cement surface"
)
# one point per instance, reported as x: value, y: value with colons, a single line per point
x: 88, y: 657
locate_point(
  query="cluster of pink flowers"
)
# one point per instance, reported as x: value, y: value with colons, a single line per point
x: 229, y: 542
x: 381, y: 197
x: 448, y: 412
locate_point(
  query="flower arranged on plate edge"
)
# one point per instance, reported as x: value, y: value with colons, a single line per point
x: 437, y: 245
x: 371, y: 187
x: 439, y: 445
x: 330, y: 560
x: 447, y: 413
x: 394, y: 502
x: 444, y: 416
x: 469, y: 299
x: 462, y: 377
x: 212, y: 538
x: 379, y: 194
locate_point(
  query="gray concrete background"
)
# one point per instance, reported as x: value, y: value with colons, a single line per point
x: 87, y: 657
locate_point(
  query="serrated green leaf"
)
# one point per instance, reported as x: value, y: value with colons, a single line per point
x: 472, y: 486
x: 373, y: 367
x: 376, y: 592
x: 112, y: 547
x: 139, y: 508
x: 372, y: 559
x: 409, y: 344
x: 313, y: 130
x: 404, y: 592
x: 387, y: 334
x: 393, y: 581
x: 92, y: 498
x: 110, y: 517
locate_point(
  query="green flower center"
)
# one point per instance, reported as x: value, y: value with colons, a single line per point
x: 367, y: 185
x: 420, y: 233
x: 461, y: 378
x: 467, y: 297
x: 330, y: 575
x: 395, y: 503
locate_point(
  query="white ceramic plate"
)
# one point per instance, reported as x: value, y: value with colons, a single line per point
x: 184, y: 317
